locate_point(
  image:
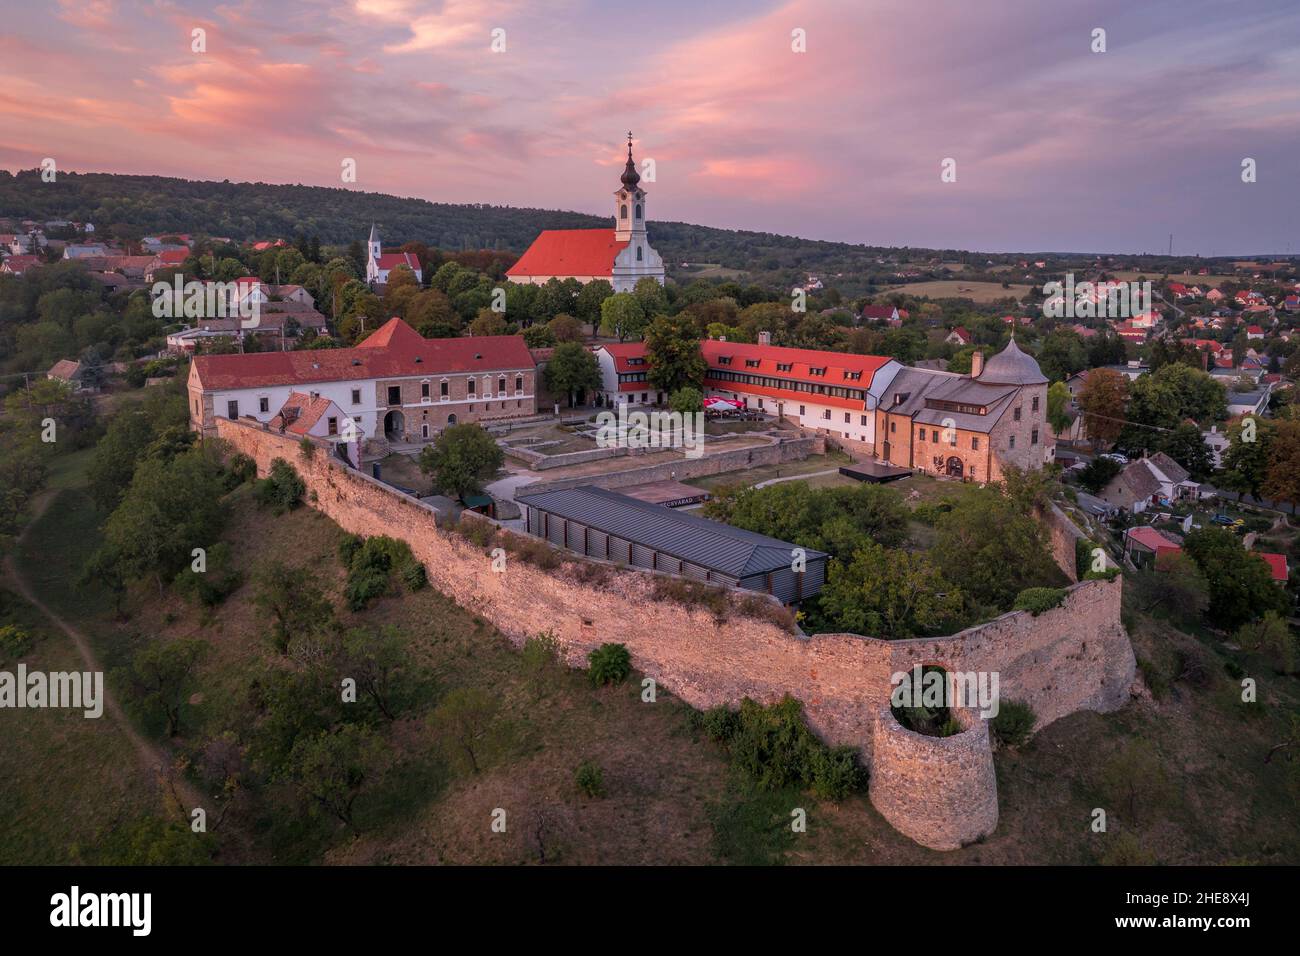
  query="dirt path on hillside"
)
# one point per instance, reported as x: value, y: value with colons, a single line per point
x: 154, y: 758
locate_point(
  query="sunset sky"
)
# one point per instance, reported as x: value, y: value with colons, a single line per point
x: 1057, y: 147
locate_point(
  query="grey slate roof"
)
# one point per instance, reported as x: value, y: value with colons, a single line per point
x: 710, y: 544
x: 1170, y: 468
x: 1013, y: 367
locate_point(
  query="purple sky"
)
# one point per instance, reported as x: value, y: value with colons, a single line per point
x: 1057, y: 147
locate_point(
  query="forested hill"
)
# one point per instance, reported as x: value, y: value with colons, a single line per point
x: 141, y: 205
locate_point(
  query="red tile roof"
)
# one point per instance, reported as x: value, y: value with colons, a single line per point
x: 20, y: 264
x: 837, y: 366
x: 174, y: 256
x: 391, y: 260
x: 299, y: 413
x: 570, y: 252
x: 1277, y: 564
x: 1153, y: 540
x: 405, y: 355
x: 624, y: 351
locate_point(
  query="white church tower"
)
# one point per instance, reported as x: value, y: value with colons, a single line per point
x: 374, y: 249
x: 638, y: 260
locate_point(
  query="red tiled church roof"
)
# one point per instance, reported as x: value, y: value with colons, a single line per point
x: 570, y: 252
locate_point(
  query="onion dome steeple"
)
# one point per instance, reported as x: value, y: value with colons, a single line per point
x: 630, y: 176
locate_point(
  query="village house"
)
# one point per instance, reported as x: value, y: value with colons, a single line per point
x: 1148, y: 547
x: 395, y: 383
x: 622, y: 256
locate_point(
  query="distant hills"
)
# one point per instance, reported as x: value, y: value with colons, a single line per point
x: 129, y: 206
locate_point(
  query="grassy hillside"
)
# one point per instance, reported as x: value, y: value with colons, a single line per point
x: 1182, y: 776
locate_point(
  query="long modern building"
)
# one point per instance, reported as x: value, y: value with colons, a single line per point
x: 613, y: 527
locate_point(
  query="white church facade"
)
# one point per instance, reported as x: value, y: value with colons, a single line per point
x: 379, y: 265
x: 622, y: 256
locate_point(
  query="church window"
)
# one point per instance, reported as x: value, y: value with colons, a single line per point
x: 622, y: 211
x: 638, y: 210
x: 638, y: 254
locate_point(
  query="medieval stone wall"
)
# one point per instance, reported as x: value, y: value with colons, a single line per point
x: 937, y: 791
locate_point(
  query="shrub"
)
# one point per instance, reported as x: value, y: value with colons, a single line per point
x: 719, y: 723
x: 413, y: 576
x: 365, y: 586
x: 282, y: 489
x: 590, y: 779
x: 541, y: 652
x: 213, y: 585
x: 610, y: 664
x: 929, y: 512
x: 14, y: 642
x: 239, y: 470
x: 1013, y: 723
x: 307, y: 448
x: 349, y: 545
x: 1038, y: 600
x: 836, y: 773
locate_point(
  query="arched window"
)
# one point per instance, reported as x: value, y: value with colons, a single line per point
x: 638, y: 254
x: 638, y: 210
x: 622, y: 211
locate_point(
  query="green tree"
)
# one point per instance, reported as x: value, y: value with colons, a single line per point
x: 673, y: 353
x: 1240, y: 583
x: 332, y: 768
x: 686, y: 400
x: 889, y: 594
x: 161, y: 678
x: 461, y: 458
x: 1058, y: 407
x: 572, y: 369
x: 621, y: 315
x: 465, y: 724
x: 992, y: 549
x: 294, y: 603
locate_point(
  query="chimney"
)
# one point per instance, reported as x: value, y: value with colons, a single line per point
x: 976, y: 364
x: 764, y: 338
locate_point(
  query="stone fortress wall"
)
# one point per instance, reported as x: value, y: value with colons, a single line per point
x: 941, y: 792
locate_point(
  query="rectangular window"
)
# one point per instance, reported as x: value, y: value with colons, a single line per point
x: 1016, y: 414
x: 934, y: 435
x: 1033, y: 437
x: 952, y: 437
x: 473, y: 387
x: 803, y: 410
x: 263, y: 404
x: 864, y: 420
x: 443, y: 389
x: 893, y: 427
x: 356, y: 396
x: 232, y: 409
x: 846, y: 418
x: 974, y: 443
x: 332, y: 425
x: 519, y: 383
x: 1012, y: 442
x: 424, y: 389
x: 501, y: 385
x: 394, y: 394
x: 1034, y: 405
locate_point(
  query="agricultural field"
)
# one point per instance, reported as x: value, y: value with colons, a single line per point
x: 980, y: 292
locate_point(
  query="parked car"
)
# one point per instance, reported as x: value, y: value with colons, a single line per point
x: 1116, y: 457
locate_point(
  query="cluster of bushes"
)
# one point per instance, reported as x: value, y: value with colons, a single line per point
x: 282, y: 489
x: 240, y: 469
x: 774, y: 747
x: 374, y: 565
x: 217, y: 581
x: 929, y: 512
x: 1038, y: 600
x: 14, y: 642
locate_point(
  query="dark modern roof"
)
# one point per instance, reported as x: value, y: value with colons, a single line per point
x: 710, y: 544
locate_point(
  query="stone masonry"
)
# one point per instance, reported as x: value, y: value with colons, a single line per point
x: 941, y: 792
